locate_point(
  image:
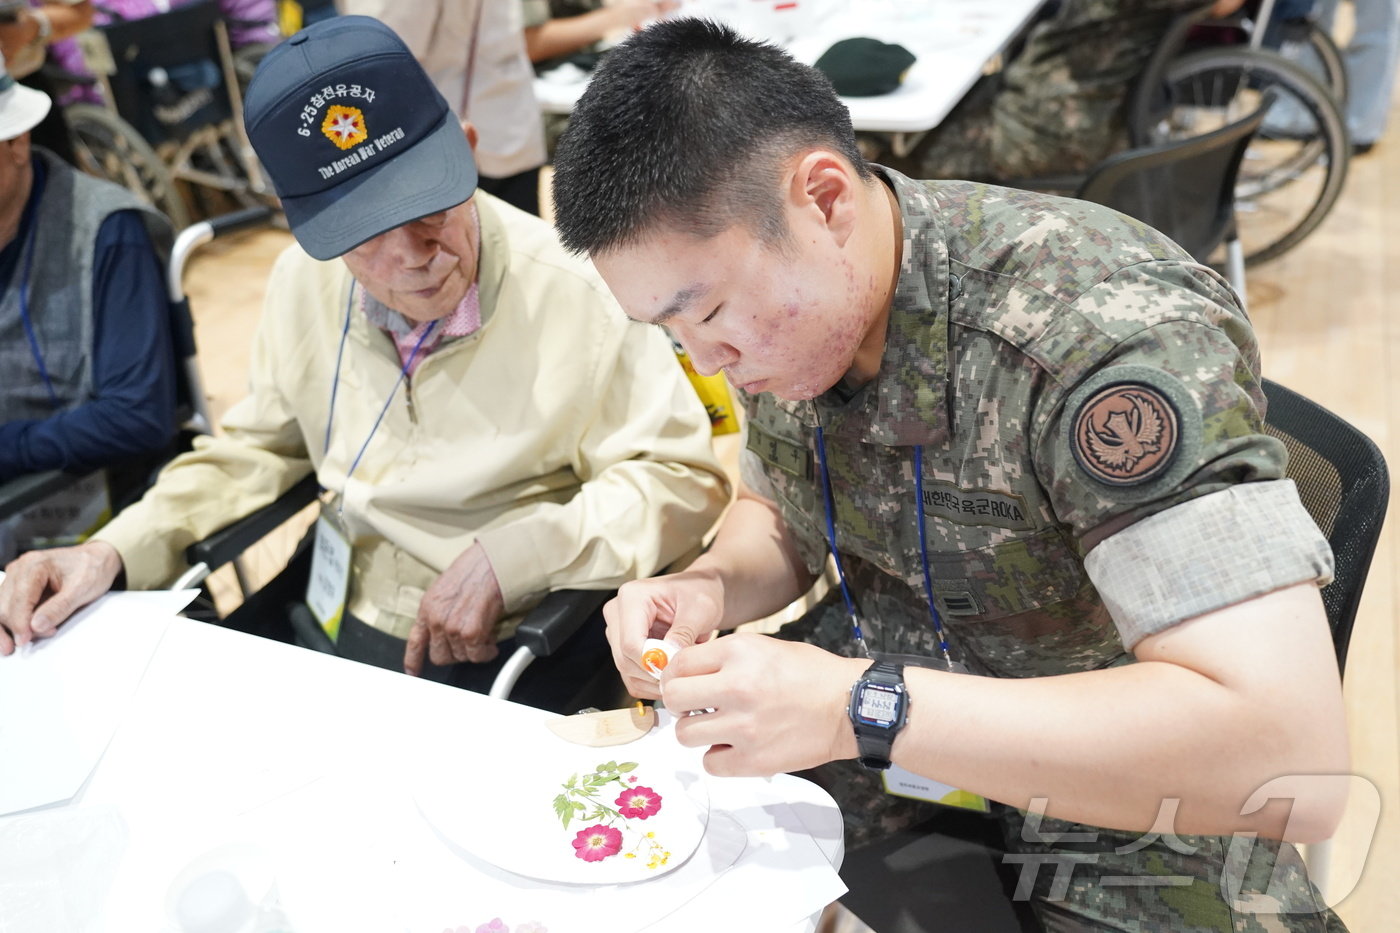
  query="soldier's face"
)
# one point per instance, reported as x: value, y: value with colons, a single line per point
x: 781, y: 320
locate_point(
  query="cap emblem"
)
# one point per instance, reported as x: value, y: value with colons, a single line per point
x: 344, y: 126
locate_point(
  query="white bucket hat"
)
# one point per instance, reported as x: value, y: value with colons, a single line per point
x: 21, y: 108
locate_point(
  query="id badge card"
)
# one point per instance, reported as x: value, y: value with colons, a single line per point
x: 330, y: 572
x: 900, y: 782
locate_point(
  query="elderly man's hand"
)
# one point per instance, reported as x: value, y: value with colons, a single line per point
x: 43, y: 588
x: 458, y: 615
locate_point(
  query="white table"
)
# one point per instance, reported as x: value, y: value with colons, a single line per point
x: 309, y: 762
x: 954, y: 42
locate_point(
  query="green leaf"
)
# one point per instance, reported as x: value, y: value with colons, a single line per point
x: 576, y: 805
x: 627, y: 766
x: 564, y: 809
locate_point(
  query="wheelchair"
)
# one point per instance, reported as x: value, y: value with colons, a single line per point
x: 563, y: 618
x: 192, y: 417
x: 1210, y: 74
x: 171, y: 112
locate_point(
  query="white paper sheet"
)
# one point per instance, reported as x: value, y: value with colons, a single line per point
x: 62, y: 697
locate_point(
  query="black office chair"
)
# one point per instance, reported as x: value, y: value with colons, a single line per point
x: 1184, y: 188
x: 946, y: 873
x: 1344, y: 484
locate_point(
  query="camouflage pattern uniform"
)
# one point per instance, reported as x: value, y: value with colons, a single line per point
x: 1059, y: 106
x: 1015, y: 316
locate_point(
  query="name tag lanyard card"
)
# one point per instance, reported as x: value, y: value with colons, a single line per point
x: 899, y: 781
x: 329, y: 583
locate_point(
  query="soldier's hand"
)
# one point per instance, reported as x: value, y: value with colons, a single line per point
x: 682, y: 608
x: 43, y: 588
x: 458, y: 614
x: 776, y: 705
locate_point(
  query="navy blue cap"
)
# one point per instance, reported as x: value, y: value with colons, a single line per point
x: 355, y: 137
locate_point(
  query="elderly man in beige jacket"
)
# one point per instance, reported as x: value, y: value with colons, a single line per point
x: 486, y: 423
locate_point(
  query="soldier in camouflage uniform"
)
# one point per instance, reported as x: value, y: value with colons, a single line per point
x: 1081, y: 402
x: 1059, y: 107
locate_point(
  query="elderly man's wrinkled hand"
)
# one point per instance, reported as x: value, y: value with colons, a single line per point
x: 458, y: 615
x: 43, y: 588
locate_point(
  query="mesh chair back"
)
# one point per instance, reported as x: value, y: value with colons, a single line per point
x: 172, y: 71
x: 1184, y: 188
x: 1343, y: 483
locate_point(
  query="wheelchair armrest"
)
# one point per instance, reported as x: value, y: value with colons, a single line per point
x: 23, y: 491
x: 228, y: 542
x: 558, y: 616
x: 248, y: 217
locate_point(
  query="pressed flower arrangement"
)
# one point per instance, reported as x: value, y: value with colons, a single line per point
x: 613, y: 827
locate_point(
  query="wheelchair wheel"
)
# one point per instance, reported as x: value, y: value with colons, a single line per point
x: 1293, y: 171
x: 108, y: 147
x: 1308, y: 45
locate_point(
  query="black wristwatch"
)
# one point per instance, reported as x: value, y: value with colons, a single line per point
x: 878, y: 710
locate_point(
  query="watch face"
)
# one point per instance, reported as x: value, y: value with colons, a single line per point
x: 879, y: 705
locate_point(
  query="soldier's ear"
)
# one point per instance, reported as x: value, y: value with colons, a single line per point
x: 822, y: 190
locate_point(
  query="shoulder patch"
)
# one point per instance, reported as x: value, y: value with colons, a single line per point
x: 1126, y: 434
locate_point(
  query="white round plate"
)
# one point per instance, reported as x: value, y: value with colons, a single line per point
x: 506, y: 817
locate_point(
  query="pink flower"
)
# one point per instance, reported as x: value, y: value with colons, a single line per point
x: 531, y: 926
x: 595, y: 844
x: 632, y: 779
x: 495, y: 926
x: 638, y: 803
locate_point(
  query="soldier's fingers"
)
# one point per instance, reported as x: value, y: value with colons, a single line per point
x: 7, y: 644
x: 724, y: 761
x: 635, y: 614
x: 642, y: 686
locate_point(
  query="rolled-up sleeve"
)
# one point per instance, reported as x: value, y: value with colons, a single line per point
x: 1206, y: 554
x: 1156, y: 456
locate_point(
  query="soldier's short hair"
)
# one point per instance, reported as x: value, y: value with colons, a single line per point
x: 688, y: 125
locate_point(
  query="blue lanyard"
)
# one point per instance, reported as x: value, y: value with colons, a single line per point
x: 24, y: 311
x: 829, y: 503
x: 831, y: 540
x: 335, y: 384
